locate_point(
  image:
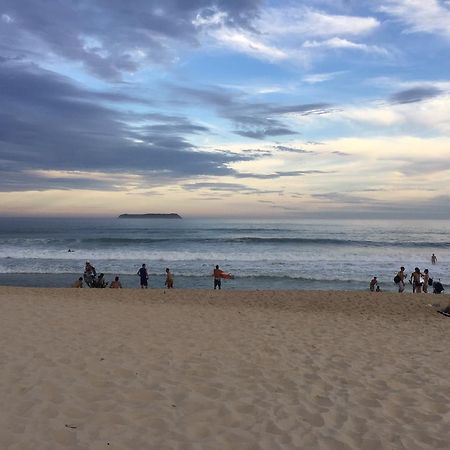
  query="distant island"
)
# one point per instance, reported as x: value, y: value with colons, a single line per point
x: 150, y: 216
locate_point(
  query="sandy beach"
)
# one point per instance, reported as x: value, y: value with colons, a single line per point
x: 196, y: 369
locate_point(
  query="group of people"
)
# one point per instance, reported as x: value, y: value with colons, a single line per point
x: 92, y: 280
x: 420, y: 281
x: 143, y: 276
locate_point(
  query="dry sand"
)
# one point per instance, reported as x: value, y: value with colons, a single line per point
x: 187, y: 369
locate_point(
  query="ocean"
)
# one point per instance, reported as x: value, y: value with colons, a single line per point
x: 261, y: 254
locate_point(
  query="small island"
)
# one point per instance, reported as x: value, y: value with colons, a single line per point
x: 150, y: 216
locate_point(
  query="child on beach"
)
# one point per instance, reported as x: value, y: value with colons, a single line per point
x: 373, y: 284
x: 169, y: 279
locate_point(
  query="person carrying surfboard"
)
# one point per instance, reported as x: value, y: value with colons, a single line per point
x: 218, y: 274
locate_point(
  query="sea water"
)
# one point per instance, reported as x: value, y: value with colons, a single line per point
x: 261, y: 254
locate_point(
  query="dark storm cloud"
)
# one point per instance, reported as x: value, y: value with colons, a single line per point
x: 48, y: 123
x: 416, y: 94
x: 250, y: 119
x: 111, y: 36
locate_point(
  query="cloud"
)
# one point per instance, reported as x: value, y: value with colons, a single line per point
x: 48, y: 123
x: 342, y: 198
x: 416, y: 94
x: 417, y: 111
x: 432, y: 16
x: 284, y: 33
x: 224, y: 187
x: 314, y: 78
x: 280, y: 174
x: 250, y: 119
x: 108, y: 37
x: 305, y: 21
x: 245, y: 42
x: 339, y: 43
x: 283, y: 148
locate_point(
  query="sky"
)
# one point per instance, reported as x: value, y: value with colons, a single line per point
x: 228, y: 109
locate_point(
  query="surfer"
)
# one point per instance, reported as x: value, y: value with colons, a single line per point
x: 217, y: 274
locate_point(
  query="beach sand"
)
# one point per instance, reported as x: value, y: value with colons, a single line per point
x: 190, y: 369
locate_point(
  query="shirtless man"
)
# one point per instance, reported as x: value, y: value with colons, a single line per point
x: 401, y: 284
x: 116, y: 284
x: 415, y: 280
x: 169, y: 279
x: 433, y: 259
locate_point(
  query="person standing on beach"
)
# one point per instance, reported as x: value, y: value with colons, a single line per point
x: 415, y: 280
x: 89, y: 274
x: 426, y: 277
x: 217, y: 274
x: 373, y: 283
x: 116, y: 284
x: 169, y: 279
x: 401, y: 275
x: 433, y: 259
x: 143, y: 274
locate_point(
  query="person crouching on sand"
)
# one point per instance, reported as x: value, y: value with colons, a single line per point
x: 169, y: 279
x: 116, y: 284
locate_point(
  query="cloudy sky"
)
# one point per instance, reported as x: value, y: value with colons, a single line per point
x: 225, y: 108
